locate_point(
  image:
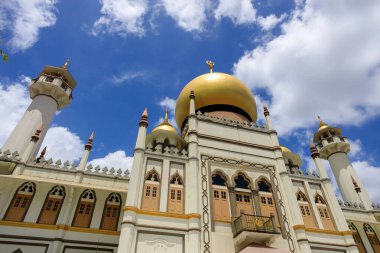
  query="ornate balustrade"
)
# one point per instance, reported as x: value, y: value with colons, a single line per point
x: 247, y: 222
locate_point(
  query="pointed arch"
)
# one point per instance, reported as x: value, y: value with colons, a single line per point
x: 151, y: 191
x: 357, y: 238
x: 21, y: 202
x: 111, y: 212
x: 372, y: 237
x: 85, y: 209
x: 263, y: 184
x: 306, y: 211
x: 241, y: 180
x: 220, y: 178
x: 324, y: 212
x: 176, y: 193
x: 52, y: 206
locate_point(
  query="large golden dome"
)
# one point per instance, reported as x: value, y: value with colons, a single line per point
x: 216, y: 89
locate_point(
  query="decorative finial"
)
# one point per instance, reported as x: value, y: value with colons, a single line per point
x: 144, y: 119
x: 210, y: 65
x: 43, y: 152
x: 313, y: 150
x: 166, y: 120
x: 265, y: 108
x: 321, y: 123
x: 66, y: 63
x: 88, y: 146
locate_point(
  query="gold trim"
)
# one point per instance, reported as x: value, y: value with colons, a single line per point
x: 222, y: 221
x: 162, y: 214
x: 322, y: 231
x: 58, y: 227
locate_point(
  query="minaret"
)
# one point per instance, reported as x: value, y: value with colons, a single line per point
x: 50, y: 91
x: 333, y: 147
x: 267, y: 116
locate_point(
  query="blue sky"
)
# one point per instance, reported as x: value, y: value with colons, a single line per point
x: 303, y: 58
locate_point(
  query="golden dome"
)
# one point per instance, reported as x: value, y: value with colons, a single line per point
x: 215, y: 89
x: 285, y: 149
x: 165, y: 131
x: 166, y: 126
x: 322, y: 125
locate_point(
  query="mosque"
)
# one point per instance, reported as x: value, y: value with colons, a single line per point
x: 222, y: 184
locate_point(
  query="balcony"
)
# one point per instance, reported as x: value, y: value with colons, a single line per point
x: 248, y: 229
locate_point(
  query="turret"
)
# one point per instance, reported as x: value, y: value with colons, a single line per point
x: 332, y: 146
x: 50, y: 91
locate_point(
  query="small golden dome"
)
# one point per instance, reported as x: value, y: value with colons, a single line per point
x: 322, y: 125
x: 285, y: 149
x: 215, y: 89
x: 166, y: 126
x: 165, y: 131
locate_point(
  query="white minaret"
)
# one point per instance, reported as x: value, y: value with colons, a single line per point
x: 51, y: 90
x: 333, y: 147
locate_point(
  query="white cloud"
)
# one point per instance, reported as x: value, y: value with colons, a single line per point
x: 62, y: 144
x: 127, y: 76
x: 239, y: 11
x: 356, y: 148
x: 121, y: 17
x: 24, y: 19
x: 369, y: 176
x: 269, y: 22
x: 190, y: 15
x: 14, y: 100
x: 117, y: 159
x: 326, y: 61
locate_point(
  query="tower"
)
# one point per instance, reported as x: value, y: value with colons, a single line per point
x: 50, y: 91
x: 334, y: 147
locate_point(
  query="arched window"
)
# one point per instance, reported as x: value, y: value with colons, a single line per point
x: 52, y: 206
x: 243, y: 195
x: 111, y: 212
x: 220, y: 198
x: 175, y: 203
x: 324, y: 213
x: 357, y: 239
x: 150, y: 199
x: 85, y: 209
x: 372, y: 237
x: 306, y: 212
x: 21, y: 202
x: 267, y: 205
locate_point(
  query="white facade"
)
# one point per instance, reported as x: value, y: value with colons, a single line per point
x: 225, y: 186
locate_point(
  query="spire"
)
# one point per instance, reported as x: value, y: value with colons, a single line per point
x: 144, y: 119
x: 210, y: 65
x: 43, y: 152
x: 265, y: 107
x: 321, y: 123
x: 66, y: 63
x: 166, y: 119
x: 313, y: 150
x: 88, y: 146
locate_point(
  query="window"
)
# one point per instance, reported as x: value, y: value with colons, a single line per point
x: 21, y: 202
x: 307, y: 215
x: 175, y: 203
x: 216, y: 194
x: 247, y: 199
x: 224, y: 195
x: 111, y: 212
x: 53, y: 203
x: 270, y: 201
x: 263, y: 200
x: 239, y: 198
x: 241, y: 181
x: 327, y: 222
x: 218, y: 179
x: 151, y: 188
x: 85, y: 209
x: 372, y: 237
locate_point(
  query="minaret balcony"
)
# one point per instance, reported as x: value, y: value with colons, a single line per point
x: 248, y: 229
x: 333, y: 144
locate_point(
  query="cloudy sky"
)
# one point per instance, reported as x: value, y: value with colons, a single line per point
x: 304, y: 58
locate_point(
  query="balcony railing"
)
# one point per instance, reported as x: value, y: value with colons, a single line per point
x: 254, y: 223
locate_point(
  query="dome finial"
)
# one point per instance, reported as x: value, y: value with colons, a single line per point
x: 66, y: 63
x: 210, y: 65
x: 321, y: 123
x: 166, y: 119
